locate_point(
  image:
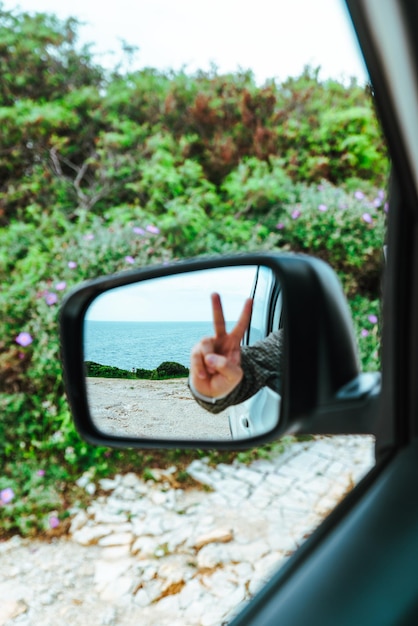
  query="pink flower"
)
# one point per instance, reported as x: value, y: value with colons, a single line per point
x: 130, y: 259
x: 359, y: 195
x: 386, y: 207
x: 280, y: 226
x: 138, y: 231
x: 89, y: 236
x: 322, y: 207
x: 364, y: 333
x: 152, y: 229
x: 367, y: 218
x: 295, y: 214
x: 6, y: 495
x: 72, y: 265
x: 40, y: 472
x: 372, y: 319
x: 61, y: 285
x: 53, y: 521
x: 24, y: 339
x: 51, y: 298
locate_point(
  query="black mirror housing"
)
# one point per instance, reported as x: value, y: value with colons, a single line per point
x: 323, y: 391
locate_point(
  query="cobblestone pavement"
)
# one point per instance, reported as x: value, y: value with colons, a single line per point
x: 148, y: 553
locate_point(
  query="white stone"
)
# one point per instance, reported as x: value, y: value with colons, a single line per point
x: 212, y: 617
x: 212, y: 555
x: 174, y: 571
x: 242, y: 571
x: 148, y: 571
x: 201, y: 607
x: 89, y: 535
x: 83, y: 480
x: 130, y: 480
x: 114, y: 553
x: 153, y: 588
x: 279, y: 540
x: 9, y: 609
x: 108, y: 484
x: 126, y: 493
x: 178, y: 537
x: 278, y: 483
x: 171, y: 521
x: 159, y: 498
x: 190, y: 595
x: 250, y: 552
x: 170, y: 604
x: 142, y: 598
x: 109, y: 617
x: 78, y: 521
x: 117, y: 589
x: 219, y: 583
x: 133, y: 508
x: 217, y: 535
x: 106, y: 572
x: 103, y: 516
x: 144, y: 547
x: 116, y: 539
x: 151, y: 526
x: 269, y: 564
x: 11, y: 544
x: 248, y: 476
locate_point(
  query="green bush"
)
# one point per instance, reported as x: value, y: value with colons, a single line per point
x: 170, y: 369
x: 96, y: 370
x: 346, y: 229
x: 167, y: 369
x: 101, y: 172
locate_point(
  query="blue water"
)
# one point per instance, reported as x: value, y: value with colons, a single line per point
x: 144, y: 345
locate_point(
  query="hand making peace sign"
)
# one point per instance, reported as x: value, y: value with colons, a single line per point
x: 216, y: 361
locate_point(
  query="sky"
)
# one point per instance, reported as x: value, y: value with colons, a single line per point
x: 273, y: 38
x: 183, y: 297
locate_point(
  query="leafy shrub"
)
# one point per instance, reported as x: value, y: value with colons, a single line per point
x: 96, y: 370
x: 171, y: 369
x: 345, y: 229
x: 168, y: 369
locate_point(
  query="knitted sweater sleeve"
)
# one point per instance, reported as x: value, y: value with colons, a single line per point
x: 262, y: 366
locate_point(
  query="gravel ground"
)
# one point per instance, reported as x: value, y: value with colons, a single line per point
x: 149, y: 553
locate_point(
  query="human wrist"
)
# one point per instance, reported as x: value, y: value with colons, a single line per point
x: 203, y: 397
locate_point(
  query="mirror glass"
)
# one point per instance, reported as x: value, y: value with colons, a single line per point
x: 138, y: 341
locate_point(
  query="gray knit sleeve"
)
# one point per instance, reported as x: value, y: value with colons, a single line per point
x: 262, y: 366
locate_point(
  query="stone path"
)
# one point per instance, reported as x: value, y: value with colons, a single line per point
x: 148, y: 553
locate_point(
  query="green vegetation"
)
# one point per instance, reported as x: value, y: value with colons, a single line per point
x: 104, y: 171
x: 167, y: 369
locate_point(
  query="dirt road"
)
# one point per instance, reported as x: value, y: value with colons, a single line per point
x: 152, y: 408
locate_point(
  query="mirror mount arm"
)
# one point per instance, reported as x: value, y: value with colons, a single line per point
x: 353, y: 410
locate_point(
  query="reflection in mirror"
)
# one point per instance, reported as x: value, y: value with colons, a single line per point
x: 138, y: 342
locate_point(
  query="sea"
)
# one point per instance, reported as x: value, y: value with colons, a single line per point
x: 134, y: 345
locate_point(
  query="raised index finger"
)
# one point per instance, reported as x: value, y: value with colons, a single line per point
x: 218, y: 315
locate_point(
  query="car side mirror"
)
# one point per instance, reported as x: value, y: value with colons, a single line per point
x: 127, y: 342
